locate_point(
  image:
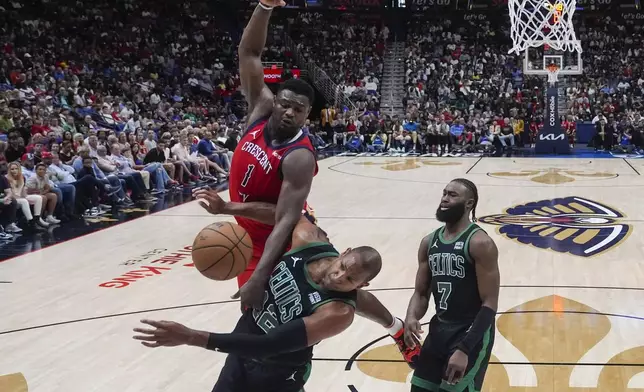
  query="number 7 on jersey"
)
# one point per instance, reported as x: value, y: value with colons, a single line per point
x: 445, y: 289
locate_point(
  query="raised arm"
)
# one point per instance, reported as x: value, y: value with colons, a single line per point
x: 419, y: 301
x: 327, y: 321
x: 251, y: 71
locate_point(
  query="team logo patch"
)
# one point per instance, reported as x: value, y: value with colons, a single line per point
x: 572, y: 225
x: 314, y: 298
x: 459, y: 245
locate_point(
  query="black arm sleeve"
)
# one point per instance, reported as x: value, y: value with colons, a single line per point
x: 283, y: 339
x: 484, y: 319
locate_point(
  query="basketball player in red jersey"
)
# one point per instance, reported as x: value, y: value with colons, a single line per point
x: 274, y: 163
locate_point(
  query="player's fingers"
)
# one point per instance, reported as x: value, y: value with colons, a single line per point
x: 451, y: 373
x: 204, y: 205
x: 410, y: 340
x: 156, y: 324
x: 145, y: 331
x: 145, y: 338
x: 151, y: 345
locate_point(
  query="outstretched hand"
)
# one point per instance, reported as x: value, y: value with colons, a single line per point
x: 165, y: 333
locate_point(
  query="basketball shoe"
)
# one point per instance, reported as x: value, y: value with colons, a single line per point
x: 410, y: 354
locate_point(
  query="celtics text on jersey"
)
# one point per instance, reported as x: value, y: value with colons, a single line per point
x: 453, y: 276
x: 292, y: 294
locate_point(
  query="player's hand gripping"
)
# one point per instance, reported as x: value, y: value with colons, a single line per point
x: 413, y: 330
x: 210, y: 201
x: 165, y: 333
x: 251, y: 293
x: 456, y: 367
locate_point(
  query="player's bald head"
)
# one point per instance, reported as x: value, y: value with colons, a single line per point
x: 370, y: 261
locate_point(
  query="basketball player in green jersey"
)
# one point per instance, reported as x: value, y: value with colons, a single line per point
x: 310, y: 296
x: 458, y: 265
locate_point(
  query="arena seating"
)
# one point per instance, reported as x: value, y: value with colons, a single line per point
x: 126, y: 75
x: 79, y: 78
x: 349, y: 47
x: 461, y: 72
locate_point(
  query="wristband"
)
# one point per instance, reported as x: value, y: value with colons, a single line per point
x: 267, y: 8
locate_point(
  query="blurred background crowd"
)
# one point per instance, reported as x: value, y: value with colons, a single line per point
x: 115, y: 103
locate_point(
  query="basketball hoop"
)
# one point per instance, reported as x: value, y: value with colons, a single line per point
x: 536, y: 23
x: 553, y: 73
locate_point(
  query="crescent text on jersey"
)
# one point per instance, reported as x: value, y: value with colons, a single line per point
x: 259, y: 154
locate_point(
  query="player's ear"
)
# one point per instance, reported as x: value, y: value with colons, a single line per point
x: 365, y: 284
x: 346, y: 252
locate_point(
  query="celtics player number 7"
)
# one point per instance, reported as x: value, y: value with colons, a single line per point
x: 458, y: 265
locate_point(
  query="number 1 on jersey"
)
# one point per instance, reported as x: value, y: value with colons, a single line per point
x: 445, y: 289
x: 249, y: 172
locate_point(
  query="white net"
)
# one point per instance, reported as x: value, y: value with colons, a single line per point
x: 538, y: 22
x: 553, y: 74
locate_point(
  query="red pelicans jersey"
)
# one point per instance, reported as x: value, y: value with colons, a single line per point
x: 256, y: 175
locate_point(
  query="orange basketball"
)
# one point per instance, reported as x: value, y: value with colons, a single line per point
x: 222, y: 251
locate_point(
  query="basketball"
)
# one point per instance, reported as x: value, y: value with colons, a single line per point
x: 222, y: 250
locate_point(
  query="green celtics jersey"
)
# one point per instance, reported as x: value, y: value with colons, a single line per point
x: 292, y: 294
x: 454, y: 285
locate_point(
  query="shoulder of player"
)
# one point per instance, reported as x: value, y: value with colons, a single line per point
x: 306, y: 233
x: 423, y: 248
x: 296, y: 161
x: 482, y: 246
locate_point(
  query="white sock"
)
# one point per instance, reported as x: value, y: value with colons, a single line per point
x: 395, y: 326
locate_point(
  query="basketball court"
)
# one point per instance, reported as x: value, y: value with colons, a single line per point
x: 570, y: 315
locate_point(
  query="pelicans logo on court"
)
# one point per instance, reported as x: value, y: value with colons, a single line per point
x: 553, y: 175
x: 573, y: 225
x: 407, y: 164
x: 547, y: 364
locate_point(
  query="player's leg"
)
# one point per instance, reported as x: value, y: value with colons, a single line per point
x: 476, y: 365
x: 232, y: 377
x: 431, y: 363
x: 263, y: 377
x: 369, y: 307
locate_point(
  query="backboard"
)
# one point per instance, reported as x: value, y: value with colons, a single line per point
x: 537, y: 59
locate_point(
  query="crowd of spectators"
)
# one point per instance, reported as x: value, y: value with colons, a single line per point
x: 467, y: 94
x: 349, y: 47
x: 111, y: 103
